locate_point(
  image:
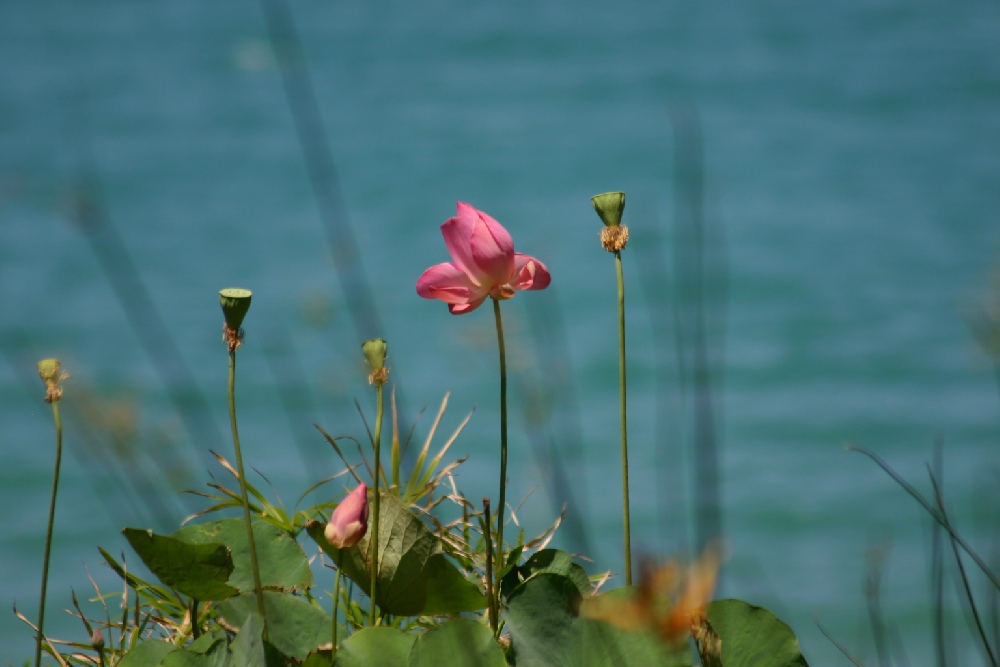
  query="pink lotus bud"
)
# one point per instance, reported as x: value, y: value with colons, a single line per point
x: 350, y: 520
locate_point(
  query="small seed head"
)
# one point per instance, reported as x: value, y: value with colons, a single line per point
x: 378, y: 376
x: 233, y: 338
x: 49, y: 371
x: 614, y: 238
x: 376, y: 352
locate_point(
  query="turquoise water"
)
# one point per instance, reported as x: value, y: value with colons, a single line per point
x: 852, y: 161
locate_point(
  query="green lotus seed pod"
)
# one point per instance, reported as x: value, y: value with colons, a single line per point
x: 235, y: 304
x: 375, y: 352
x: 48, y: 370
x: 610, y: 206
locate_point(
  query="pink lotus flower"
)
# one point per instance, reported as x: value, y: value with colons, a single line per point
x: 350, y: 520
x: 483, y: 264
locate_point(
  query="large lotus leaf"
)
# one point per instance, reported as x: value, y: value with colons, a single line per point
x: 547, y: 560
x: 414, y: 576
x: 149, y: 653
x: 295, y: 627
x: 250, y: 650
x: 282, y: 563
x: 198, y: 570
x: 210, y: 650
x: 753, y: 636
x: 318, y: 659
x: 385, y: 647
x: 448, y: 591
x: 248, y: 645
x: 547, y: 631
x: 463, y: 637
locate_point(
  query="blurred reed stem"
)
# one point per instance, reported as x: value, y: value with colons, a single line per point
x: 293, y: 65
x: 701, y: 275
x: 137, y: 302
x: 552, y: 413
x: 934, y: 511
x: 963, y: 576
x: 937, y: 570
x: 877, y: 556
x: 294, y: 392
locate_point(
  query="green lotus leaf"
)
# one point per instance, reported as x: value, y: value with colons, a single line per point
x: 295, y: 627
x: 546, y: 630
x: 283, y: 565
x: 149, y: 653
x: 197, y: 570
x: 548, y: 560
x: 753, y: 636
x: 458, y: 637
x: 386, y: 647
x: 209, y: 650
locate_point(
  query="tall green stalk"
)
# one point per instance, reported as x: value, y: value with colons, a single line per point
x: 375, y: 351
x: 235, y: 304
x: 375, y: 509
x: 501, y: 508
x: 258, y: 590
x: 490, y: 596
x: 614, y: 238
x: 49, y: 369
x: 624, y: 422
x: 336, y: 601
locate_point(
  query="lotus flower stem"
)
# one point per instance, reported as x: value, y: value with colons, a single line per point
x: 49, y: 370
x: 490, y: 597
x: 195, y: 626
x: 484, y: 265
x: 624, y: 422
x: 374, y: 536
x: 258, y: 590
x: 498, y: 566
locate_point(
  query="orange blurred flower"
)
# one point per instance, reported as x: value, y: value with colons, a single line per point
x: 669, y: 599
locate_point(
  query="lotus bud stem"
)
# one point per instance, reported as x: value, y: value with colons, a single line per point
x: 375, y: 352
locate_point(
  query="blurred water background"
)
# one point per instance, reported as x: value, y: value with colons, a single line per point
x: 813, y: 197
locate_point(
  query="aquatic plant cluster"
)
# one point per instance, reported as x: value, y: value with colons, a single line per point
x: 409, y: 586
